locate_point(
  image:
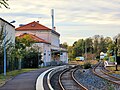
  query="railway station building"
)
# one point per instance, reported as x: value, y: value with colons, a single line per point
x: 47, y: 40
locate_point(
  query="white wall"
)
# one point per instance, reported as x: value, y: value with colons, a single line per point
x: 44, y: 34
x: 46, y: 52
x: 10, y: 31
x: 55, y: 40
x: 64, y: 57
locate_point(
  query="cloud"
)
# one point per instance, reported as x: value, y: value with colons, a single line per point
x: 81, y: 18
x: 86, y: 11
x: 25, y: 15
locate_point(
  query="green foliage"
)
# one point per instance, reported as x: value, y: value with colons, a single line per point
x: 21, y: 47
x: 87, y: 65
x: 93, y: 45
x: 70, y: 52
x: 30, y: 60
x: 106, y: 58
x: 117, y: 43
x: 78, y: 48
x: 64, y: 45
x: 112, y: 59
x: 30, y: 55
x: 26, y: 40
x: 89, y: 45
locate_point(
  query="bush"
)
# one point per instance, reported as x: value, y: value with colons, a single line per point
x: 87, y: 65
x: 106, y: 58
x: 31, y: 60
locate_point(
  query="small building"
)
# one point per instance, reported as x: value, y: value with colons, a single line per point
x: 10, y: 30
x: 49, y: 44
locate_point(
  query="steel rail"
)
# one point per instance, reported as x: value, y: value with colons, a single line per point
x: 73, y: 78
x: 104, y: 75
x: 83, y: 87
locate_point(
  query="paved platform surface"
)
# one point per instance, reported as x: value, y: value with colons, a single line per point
x: 25, y: 81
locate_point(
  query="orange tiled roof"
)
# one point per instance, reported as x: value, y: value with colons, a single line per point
x: 34, y: 38
x: 32, y: 26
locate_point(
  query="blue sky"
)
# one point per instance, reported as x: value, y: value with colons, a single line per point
x: 74, y: 19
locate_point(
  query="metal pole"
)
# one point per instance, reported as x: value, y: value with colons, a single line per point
x: 5, y: 52
x: 52, y: 12
x: 5, y: 47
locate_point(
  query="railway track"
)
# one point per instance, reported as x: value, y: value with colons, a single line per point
x: 67, y: 80
x: 101, y: 72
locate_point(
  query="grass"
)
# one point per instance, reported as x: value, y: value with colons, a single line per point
x: 112, y: 69
x: 93, y: 62
x: 11, y: 74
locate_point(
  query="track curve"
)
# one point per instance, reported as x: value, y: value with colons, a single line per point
x: 99, y: 71
x: 67, y: 80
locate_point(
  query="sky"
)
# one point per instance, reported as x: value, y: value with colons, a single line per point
x: 74, y: 19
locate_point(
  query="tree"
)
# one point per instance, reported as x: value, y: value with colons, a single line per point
x: 109, y: 44
x: 95, y: 45
x: 4, y: 3
x: 102, y: 45
x: 26, y: 40
x: 89, y: 45
x: 99, y: 44
x: 78, y: 48
x: 1, y: 48
x: 3, y: 44
x: 20, y: 49
x: 118, y: 42
x: 64, y: 45
x: 32, y: 59
x: 21, y: 45
x: 26, y: 53
x: 70, y: 52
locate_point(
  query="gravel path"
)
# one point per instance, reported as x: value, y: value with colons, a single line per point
x: 92, y: 82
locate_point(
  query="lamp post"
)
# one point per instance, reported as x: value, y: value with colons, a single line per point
x: 5, y: 48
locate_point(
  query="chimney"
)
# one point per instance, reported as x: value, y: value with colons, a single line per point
x: 55, y: 28
x: 21, y: 25
x: 37, y: 21
x: 52, y: 15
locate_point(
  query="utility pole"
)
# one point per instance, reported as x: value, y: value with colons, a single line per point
x: 85, y: 50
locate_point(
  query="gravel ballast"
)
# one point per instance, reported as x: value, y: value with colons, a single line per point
x: 93, y: 82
